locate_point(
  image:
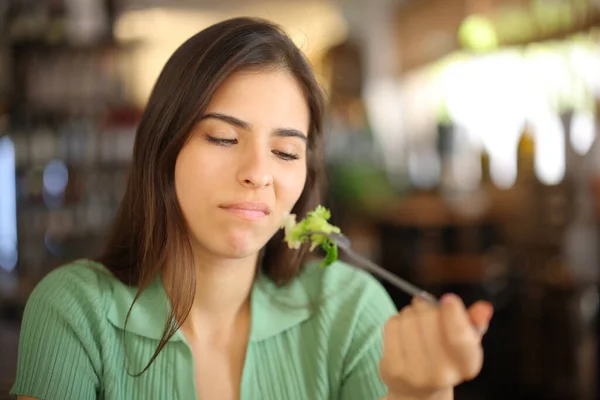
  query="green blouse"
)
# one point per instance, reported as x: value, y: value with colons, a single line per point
x: 316, y: 338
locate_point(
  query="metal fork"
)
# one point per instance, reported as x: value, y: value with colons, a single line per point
x: 343, y: 243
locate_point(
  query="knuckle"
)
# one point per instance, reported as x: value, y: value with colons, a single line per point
x: 395, y: 322
x: 445, y: 377
x: 473, y: 369
x: 406, y: 312
x: 421, y: 305
x: 393, y: 319
x: 471, y: 373
x: 392, y: 324
x: 460, y: 340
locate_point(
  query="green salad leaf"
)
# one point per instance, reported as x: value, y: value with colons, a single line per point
x: 297, y: 233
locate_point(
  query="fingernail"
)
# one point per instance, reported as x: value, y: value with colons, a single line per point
x: 449, y: 298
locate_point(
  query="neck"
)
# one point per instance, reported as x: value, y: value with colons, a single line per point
x: 223, y: 289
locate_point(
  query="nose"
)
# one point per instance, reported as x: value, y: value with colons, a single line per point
x: 255, y: 172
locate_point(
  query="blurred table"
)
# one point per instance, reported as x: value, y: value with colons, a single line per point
x: 541, y: 344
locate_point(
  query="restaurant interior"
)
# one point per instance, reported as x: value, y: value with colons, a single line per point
x: 462, y: 154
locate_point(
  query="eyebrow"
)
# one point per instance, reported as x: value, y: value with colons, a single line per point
x: 231, y: 120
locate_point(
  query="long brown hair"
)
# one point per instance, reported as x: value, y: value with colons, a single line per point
x: 150, y: 235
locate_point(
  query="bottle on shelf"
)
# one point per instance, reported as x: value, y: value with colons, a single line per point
x: 484, y: 162
x: 526, y: 155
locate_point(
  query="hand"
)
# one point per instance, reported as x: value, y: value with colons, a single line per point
x: 428, y: 349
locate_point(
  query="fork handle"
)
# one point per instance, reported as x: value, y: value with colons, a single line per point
x: 393, y: 279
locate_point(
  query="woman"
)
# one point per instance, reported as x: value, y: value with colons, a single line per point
x: 197, y: 295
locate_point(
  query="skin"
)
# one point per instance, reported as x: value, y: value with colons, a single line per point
x: 251, y: 147
x: 440, y: 347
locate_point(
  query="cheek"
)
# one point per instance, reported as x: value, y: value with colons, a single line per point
x: 291, y: 185
x: 184, y: 189
x: 196, y: 175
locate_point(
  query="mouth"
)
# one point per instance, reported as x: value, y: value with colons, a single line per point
x: 251, y: 211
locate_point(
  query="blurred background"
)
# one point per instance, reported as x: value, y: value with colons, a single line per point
x: 462, y: 153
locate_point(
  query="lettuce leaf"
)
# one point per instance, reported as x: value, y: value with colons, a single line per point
x: 297, y: 233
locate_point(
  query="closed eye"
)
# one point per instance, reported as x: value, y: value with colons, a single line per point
x: 220, y: 141
x: 230, y: 142
x: 286, y: 156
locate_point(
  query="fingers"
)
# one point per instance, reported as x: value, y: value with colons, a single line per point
x: 393, y: 363
x: 421, y: 304
x: 439, y: 367
x: 414, y: 347
x: 462, y: 340
x: 480, y: 315
x: 429, y: 347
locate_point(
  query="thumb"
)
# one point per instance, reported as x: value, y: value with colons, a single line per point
x: 480, y: 314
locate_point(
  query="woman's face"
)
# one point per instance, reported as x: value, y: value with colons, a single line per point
x: 244, y: 166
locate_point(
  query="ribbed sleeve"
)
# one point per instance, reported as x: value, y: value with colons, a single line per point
x: 360, y: 379
x: 58, y: 353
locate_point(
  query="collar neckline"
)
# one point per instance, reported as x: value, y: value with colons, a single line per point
x: 274, y: 309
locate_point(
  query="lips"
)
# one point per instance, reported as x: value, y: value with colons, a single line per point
x: 248, y: 210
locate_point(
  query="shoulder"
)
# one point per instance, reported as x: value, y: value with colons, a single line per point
x: 62, y: 333
x: 78, y: 282
x: 343, y: 286
x: 86, y: 273
x: 77, y: 294
x: 339, y: 298
x: 350, y: 303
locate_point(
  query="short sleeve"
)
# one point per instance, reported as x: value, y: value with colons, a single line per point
x: 59, y: 355
x: 360, y: 379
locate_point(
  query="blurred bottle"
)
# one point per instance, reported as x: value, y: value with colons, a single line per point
x: 526, y: 155
x: 55, y: 30
x: 484, y: 161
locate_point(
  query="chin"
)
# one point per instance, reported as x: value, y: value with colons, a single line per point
x: 242, y: 245
x: 235, y: 242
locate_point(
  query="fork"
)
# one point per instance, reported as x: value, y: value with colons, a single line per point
x: 343, y: 243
